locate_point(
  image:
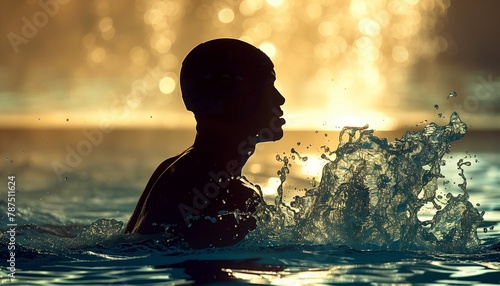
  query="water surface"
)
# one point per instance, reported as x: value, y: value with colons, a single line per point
x: 69, y: 230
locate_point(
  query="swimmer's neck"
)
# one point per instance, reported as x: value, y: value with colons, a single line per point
x: 223, y: 147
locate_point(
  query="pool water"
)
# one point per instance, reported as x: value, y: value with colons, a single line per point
x: 69, y: 221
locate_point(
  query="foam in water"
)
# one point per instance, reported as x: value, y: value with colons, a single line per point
x: 370, y: 195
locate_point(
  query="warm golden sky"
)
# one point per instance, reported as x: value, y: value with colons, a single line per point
x: 390, y: 64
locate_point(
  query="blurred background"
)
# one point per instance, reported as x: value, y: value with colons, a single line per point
x: 68, y: 64
x: 89, y: 90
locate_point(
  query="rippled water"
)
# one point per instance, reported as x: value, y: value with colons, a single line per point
x: 352, y: 226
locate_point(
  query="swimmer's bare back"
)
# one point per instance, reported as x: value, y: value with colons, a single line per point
x: 196, y: 201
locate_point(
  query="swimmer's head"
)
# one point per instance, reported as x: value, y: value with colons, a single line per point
x: 224, y: 78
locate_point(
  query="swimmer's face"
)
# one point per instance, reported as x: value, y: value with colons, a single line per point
x: 266, y: 120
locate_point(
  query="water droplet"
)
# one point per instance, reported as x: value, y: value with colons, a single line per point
x: 421, y: 122
x: 452, y: 94
x: 67, y: 119
x: 492, y: 227
x: 436, y: 106
x: 298, y: 143
x: 440, y: 115
x: 485, y: 230
x: 478, y: 205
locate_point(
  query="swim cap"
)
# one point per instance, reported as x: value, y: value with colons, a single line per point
x: 224, y: 77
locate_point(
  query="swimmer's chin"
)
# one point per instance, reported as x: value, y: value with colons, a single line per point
x: 278, y: 135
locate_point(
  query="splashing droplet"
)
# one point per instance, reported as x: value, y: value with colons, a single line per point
x: 452, y: 94
x: 294, y: 152
x: 421, y: 122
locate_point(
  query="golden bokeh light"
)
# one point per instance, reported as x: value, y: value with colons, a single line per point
x: 275, y: 3
x: 271, y: 186
x: 400, y: 54
x: 314, y: 11
x: 330, y: 56
x: 269, y: 49
x: 226, y: 15
x: 105, y: 24
x: 369, y: 27
x: 138, y: 55
x: 167, y: 85
x: 97, y: 55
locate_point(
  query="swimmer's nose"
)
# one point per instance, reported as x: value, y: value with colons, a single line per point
x: 278, y: 98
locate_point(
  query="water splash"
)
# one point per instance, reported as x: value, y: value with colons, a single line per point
x: 371, y: 193
x: 369, y: 197
x: 63, y: 238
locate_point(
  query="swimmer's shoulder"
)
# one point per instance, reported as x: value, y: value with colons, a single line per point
x: 167, y: 166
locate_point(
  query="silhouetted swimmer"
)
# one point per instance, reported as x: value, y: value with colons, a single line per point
x: 200, y: 195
